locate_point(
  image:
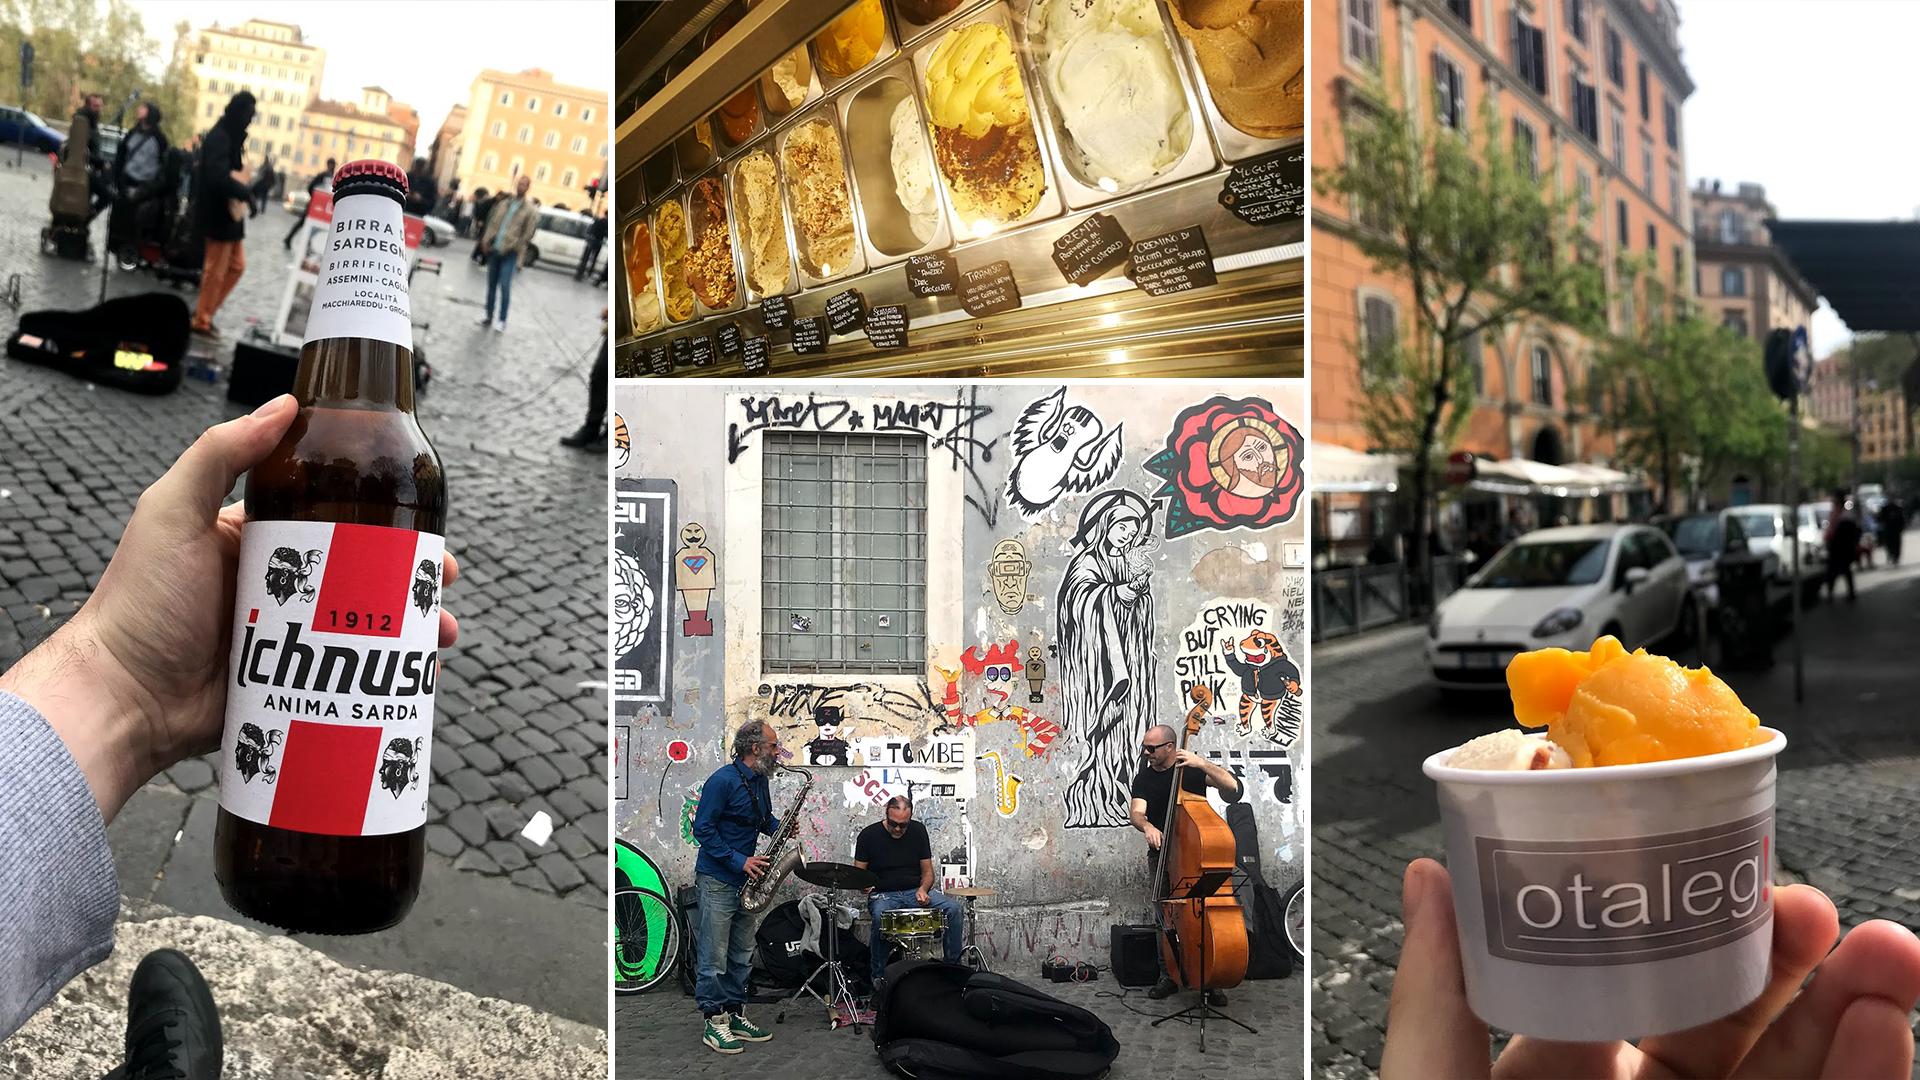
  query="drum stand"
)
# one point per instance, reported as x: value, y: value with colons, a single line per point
x: 1196, y: 890
x: 972, y: 955
x: 839, y: 989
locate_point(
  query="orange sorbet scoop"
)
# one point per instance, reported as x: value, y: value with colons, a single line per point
x: 1610, y: 707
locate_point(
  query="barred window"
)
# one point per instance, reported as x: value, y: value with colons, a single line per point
x: 843, y: 553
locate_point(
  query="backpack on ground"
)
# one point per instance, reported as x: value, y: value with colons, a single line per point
x: 940, y: 1021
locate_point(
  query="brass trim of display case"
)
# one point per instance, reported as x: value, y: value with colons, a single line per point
x: 761, y: 37
x: 1125, y: 334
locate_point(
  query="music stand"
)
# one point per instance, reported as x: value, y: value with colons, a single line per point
x: 1192, y: 890
x: 833, y: 877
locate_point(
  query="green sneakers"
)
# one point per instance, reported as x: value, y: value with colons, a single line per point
x: 719, y: 1036
x: 748, y: 1030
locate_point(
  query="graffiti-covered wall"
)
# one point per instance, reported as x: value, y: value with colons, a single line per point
x: 981, y: 597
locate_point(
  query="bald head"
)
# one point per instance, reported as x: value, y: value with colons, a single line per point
x: 1161, y: 733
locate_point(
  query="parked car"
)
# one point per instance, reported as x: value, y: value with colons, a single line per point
x: 561, y: 238
x: 438, y: 232
x: 1561, y: 587
x: 1703, y: 539
x: 17, y: 125
x: 296, y: 200
x: 1766, y: 527
x: 1813, y: 525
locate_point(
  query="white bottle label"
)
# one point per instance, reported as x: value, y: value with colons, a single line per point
x: 362, y: 290
x: 336, y: 630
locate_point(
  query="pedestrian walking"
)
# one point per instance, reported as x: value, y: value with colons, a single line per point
x: 589, y: 436
x: 220, y: 206
x: 322, y: 181
x: 596, y: 236
x: 1893, y: 522
x: 262, y: 186
x: 509, y: 230
x: 423, y: 191
x: 1843, y: 543
x: 476, y: 217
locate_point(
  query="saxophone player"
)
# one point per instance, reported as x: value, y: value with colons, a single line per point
x: 736, y: 806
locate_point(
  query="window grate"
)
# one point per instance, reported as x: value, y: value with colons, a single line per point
x: 843, y: 547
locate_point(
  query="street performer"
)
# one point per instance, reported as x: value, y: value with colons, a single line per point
x: 899, y: 852
x: 735, y: 807
x: 1152, y: 793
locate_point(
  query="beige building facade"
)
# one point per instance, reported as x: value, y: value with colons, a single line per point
x: 444, y: 153
x: 528, y: 124
x: 1744, y: 282
x: 274, y: 62
x: 343, y: 132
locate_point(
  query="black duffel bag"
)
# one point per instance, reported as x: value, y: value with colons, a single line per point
x: 940, y: 1021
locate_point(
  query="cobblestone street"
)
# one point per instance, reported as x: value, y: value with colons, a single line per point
x: 521, y: 701
x: 1846, y: 819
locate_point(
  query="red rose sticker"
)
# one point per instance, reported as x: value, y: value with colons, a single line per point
x: 678, y: 750
x: 1229, y: 465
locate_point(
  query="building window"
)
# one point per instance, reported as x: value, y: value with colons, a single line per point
x: 1363, y: 33
x: 1462, y: 10
x: 506, y: 97
x: 843, y: 537
x: 1525, y: 147
x: 1620, y: 216
x: 1583, y: 183
x: 526, y: 133
x: 1735, y: 321
x: 1378, y: 334
x: 1671, y: 121
x: 569, y: 178
x: 560, y: 109
x: 1618, y: 130
x: 1475, y: 354
x: 1542, y: 376
x: 1586, y: 110
x: 1577, y: 20
x: 552, y: 140
x: 1653, y: 238
x: 533, y: 104
x: 1616, y: 59
x: 1730, y: 231
x: 1733, y: 281
x: 1449, y: 91
x: 1646, y: 166
x: 498, y: 130
x: 579, y: 144
x: 1529, y: 53
x: 516, y: 166
x: 1646, y: 102
x: 489, y: 162
x: 542, y: 171
x: 1679, y: 266
x: 1673, y: 186
x: 586, y: 114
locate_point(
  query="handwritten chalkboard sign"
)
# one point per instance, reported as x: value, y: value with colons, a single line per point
x: 810, y: 335
x: 682, y: 353
x: 729, y: 338
x: 847, y: 312
x: 777, y: 311
x: 1269, y: 189
x: 932, y: 274
x: 1173, y: 262
x: 657, y: 360
x: 887, y: 326
x: 703, y: 351
x: 1091, y: 248
x: 755, y: 356
x: 990, y: 289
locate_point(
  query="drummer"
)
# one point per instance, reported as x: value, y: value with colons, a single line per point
x: 899, y: 853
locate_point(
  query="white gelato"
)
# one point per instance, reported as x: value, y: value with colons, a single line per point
x: 913, y: 171
x: 1511, y: 749
x: 1110, y: 74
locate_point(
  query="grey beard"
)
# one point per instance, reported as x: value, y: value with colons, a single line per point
x: 763, y: 766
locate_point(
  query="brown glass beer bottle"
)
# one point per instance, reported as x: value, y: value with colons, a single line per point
x: 329, y: 723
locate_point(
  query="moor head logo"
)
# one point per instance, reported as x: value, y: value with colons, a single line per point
x: 289, y: 572
x: 253, y: 753
x: 426, y: 585
x: 400, y: 765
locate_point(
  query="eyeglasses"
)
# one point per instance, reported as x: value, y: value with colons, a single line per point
x: 896, y: 826
x: 1151, y: 747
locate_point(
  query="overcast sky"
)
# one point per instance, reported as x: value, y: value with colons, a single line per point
x: 424, y: 52
x: 1811, y: 100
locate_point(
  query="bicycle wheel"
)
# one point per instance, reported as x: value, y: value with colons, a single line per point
x: 1296, y: 921
x: 646, y: 947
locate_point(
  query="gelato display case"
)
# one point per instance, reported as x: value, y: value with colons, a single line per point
x: 961, y: 188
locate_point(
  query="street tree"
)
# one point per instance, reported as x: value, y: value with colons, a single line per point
x: 1888, y: 363
x: 80, y: 47
x: 1462, y: 218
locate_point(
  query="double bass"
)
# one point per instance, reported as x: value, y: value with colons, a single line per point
x: 1205, y: 940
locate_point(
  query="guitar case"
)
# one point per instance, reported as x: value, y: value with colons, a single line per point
x: 133, y: 343
x: 72, y: 200
x: 1268, y: 956
x: 940, y: 1021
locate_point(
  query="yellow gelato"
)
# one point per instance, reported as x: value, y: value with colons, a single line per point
x: 671, y: 228
x: 851, y: 41
x: 1611, y: 707
x: 983, y: 138
x: 973, y: 81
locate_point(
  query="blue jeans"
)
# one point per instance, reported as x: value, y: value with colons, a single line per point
x: 500, y: 276
x: 720, y: 982
x: 909, y: 898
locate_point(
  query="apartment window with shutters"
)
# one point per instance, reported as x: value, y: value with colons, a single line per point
x: 1529, y: 44
x: 1577, y: 20
x: 542, y: 171
x: 1646, y: 103
x: 1616, y: 59
x: 1462, y: 10
x: 1542, y: 376
x: 579, y: 144
x: 1620, y: 217
x: 1646, y: 165
x: 1730, y: 231
x: 1475, y: 354
x: 1671, y: 122
x: 1362, y: 28
x: 1618, y: 129
x: 1733, y: 281
x: 586, y: 114
x: 552, y: 140
x: 526, y: 133
x: 1679, y: 266
x: 1525, y: 147
x: 1735, y: 321
x: 1653, y: 238
x: 843, y: 552
x: 560, y: 109
x: 1673, y: 186
x: 1378, y: 332
x: 499, y: 129
x: 1586, y: 109
x: 1583, y: 184
x: 1450, y: 92
x: 533, y: 104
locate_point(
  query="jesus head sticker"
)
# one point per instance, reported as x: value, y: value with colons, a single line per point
x: 1229, y: 465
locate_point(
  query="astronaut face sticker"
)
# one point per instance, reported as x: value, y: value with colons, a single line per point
x: 426, y: 585
x: 289, y: 572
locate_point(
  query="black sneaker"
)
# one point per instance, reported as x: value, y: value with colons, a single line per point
x: 1217, y: 997
x: 173, y: 1028
x: 582, y: 439
x: 1163, y: 989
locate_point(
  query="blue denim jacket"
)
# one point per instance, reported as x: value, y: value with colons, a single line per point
x: 735, y: 807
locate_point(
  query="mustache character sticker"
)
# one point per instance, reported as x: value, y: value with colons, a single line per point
x: 426, y: 585
x: 400, y: 765
x: 253, y: 753
x: 288, y: 572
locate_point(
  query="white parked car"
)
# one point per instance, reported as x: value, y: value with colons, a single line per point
x: 1561, y: 587
x: 561, y: 238
x: 1766, y: 527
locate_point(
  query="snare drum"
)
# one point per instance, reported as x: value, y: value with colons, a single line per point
x: 913, y: 922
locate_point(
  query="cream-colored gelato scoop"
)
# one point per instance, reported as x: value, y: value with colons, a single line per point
x: 1512, y: 750
x: 913, y: 171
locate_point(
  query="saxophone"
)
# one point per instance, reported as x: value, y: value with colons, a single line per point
x: 1007, y: 791
x: 783, y: 856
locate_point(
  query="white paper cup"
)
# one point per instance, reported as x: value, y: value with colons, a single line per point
x: 1616, y: 901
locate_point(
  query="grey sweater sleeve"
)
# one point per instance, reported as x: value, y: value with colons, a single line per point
x: 58, y: 893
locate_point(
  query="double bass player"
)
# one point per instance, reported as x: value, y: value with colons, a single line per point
x: 1152, y: 791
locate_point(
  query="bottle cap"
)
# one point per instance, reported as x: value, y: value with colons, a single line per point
x: 372, y: 168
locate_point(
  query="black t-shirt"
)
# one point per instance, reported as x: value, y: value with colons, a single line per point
x: 895, y: 862
x: 1157, y: 788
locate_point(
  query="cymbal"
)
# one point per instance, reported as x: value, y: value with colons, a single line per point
x: 833, y: 875
x: 971, y: 891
